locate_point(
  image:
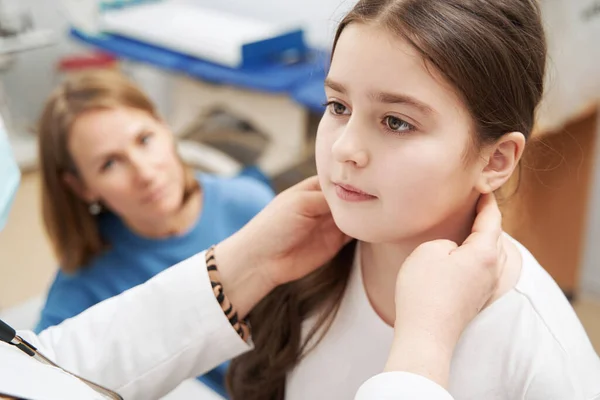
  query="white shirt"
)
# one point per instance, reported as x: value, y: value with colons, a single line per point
x: 146, y: 341
x: 528, y: 344
x: 142, y: 343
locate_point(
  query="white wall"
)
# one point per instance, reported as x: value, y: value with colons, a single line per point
x: 319, y: 17
x: 33, y: 76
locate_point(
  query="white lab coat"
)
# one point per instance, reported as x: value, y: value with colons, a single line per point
x: 146, y: 341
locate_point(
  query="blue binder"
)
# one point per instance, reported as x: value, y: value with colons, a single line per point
x: 279, y: 76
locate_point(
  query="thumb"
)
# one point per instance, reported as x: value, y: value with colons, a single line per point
x: 439, y: 247
x: 487, y: 229
x: 312, y: 204
x: 309, y: 184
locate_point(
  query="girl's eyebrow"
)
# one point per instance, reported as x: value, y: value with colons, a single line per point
x: 338, y: 87
x: 394, y: 98
x: 387, y: 98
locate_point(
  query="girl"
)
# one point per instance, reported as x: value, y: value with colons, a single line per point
x: 118, y: 203
x: 429, y: 105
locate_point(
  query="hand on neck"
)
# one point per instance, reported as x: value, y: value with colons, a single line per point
x: 381, y: 262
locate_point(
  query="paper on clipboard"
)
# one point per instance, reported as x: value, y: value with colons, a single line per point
x: 30, y: 379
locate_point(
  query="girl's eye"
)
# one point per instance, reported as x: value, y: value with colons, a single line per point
x: 337, y: 108
x: 145, y: 138
x: 398, y: 125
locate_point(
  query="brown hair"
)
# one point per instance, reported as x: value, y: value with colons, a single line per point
x: 72, y: 230
x: 493, y: 52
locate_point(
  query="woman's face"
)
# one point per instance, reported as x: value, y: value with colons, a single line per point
x: 127, y: 160
x: 397, y: 133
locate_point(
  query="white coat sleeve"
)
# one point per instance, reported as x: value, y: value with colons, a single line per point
x: 147, y: 340
x: 401, y: 385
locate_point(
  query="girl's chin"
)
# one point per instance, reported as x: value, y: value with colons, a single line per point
x: 358, y: 230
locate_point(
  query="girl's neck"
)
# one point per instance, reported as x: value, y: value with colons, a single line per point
x: 381, y: 262
x: 180, y: 222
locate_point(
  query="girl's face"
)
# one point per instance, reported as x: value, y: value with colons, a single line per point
x: 127, y: 160
x: 394, y: 148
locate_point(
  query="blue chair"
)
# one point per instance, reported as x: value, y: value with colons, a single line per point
x: 215, y: 379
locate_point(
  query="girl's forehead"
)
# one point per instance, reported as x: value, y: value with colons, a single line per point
x: 370, y: 59
x: 363, y: 45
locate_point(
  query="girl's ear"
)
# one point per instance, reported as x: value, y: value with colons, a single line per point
x: 501, y: 160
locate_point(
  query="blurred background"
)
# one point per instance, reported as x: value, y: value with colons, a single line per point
x: 230, y: 110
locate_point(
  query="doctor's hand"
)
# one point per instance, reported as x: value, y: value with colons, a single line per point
x: 291, y: 237
x: 441, y: 287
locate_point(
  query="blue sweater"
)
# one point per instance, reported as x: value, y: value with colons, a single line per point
x: 228, y: 204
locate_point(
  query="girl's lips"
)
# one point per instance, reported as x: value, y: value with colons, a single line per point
x: 352, y: 194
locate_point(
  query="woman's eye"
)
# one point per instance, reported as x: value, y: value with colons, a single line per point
x: 108, y: 164
x: 337, y: 108
x: 398, y: 125
x: 145, y: 138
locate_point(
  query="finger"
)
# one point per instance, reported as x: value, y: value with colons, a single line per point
x: 327, y: 226
x: 489, y: 218
x: 487, y: 227
x: 439, y: 246
x: 309, y: 184
x: 482, y: 244
x: 313, y: 204
x: 444, y: 246
x: 502, y: 256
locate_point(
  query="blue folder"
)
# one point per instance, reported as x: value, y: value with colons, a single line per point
x: 311, y: 93
x: 275, y: 78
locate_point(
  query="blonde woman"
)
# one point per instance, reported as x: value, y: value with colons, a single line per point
x: 119, y: 205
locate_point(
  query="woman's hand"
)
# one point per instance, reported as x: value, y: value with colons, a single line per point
x: 293, y: 236
x: 441, y: 287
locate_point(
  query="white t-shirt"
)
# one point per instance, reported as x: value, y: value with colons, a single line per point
x: 529, y: 344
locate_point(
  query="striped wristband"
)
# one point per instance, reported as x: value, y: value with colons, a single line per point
x: 240, y: 326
